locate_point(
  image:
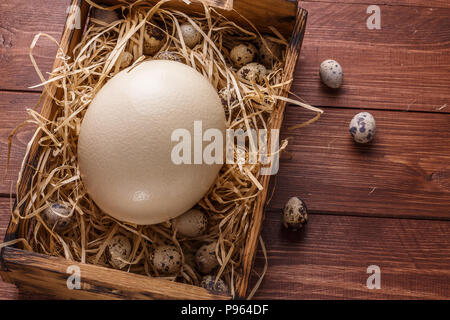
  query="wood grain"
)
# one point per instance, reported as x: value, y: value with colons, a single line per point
x: 40, y: 273
x: 9, y: 291
x: 408, y: 164
x: 254, y: 231
x: 403, y: 66
x: 13, y: 107
x: 404, y: 172
x: 408, y: 3
x: 261, y: 13
x: 20, y: 22
x: 329, y: 258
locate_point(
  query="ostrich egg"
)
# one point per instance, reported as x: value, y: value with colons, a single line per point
x: 128, y: 135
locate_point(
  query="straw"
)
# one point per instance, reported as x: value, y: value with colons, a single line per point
x: 230, y: 201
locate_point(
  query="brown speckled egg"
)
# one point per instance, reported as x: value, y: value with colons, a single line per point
x: 153, y: 40
x: 266, y: 56
x: 190, y: 35
x: 166, y: 259
x: 331, y: 73
x: 362, y: 127
x: 167, y: 55
x: 295, y: 214
x: 228, y: 97
x: 126, y: 60
x: 106, y: 16
x: 210, y: 284
x: 191, y: 223
x: 57, y: 217
x: 205, y: 258
x: 118, y: 249
x: 252, y: 72
x: 243, y: 54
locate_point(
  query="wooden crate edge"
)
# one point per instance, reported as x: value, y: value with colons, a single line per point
x: 39, y: 271
x: 255, y: 228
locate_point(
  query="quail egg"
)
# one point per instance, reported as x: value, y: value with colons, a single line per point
x: 210, y: 284
x: 252, y: 72
x: 118, y: 251
x: 266, y: 56
x: 205, y: 258
x: 362, y: 127
x: 331, y: 73
x: 153, y: 40
x: 57, y: 217
x: 191, y: 36
x: 243, y: 54
x: 295, y: 214
x: 227, y: 97
x: 167, y: 55
x: 126, y: 60
x: 166, y: 259
x: 191, y: 224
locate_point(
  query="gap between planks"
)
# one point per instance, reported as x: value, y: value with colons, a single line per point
x: 418, y: 167
x: 329, y: 256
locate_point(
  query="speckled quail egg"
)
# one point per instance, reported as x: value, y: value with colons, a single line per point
x: 118, y: 251
x: 295, y: 214
x: 252, y: 72
x: 191, y: 224
x: 166, y: 259
x: 210, y: 284
x: 106, y: 16
x: 57, y: 217
x: 205, y: 258
x: 167, y: 55
x: 243, y: 54
x: 227, y: 96
x: 191, y: 36
x: 229, y: 100
x: 126, y: 60
x: 331, y: 73
x: 153, y: 40
x: 265, y: 56
x: 362, y: 127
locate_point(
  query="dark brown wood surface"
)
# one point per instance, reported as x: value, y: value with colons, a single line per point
x: 329, y: 258
x: 386, y: 204
x: 20, y: 21
x: 403, y: 66
x: 13, y: 107
x: 404, y: 172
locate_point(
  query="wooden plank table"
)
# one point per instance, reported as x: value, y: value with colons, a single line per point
x: 386, y: 204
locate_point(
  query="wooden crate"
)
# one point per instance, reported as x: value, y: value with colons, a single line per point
x: 40, y: 273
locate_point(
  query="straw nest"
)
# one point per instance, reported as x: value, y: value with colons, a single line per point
x: 98, y: 57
